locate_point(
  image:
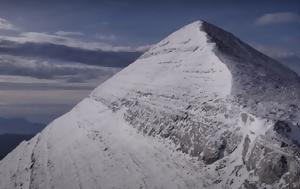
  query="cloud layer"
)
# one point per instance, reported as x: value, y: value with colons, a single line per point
x: 68, y: 33
x: 63, y: 38
x: 66, y: 53
x: 51, y: 69
x: 43, y: 74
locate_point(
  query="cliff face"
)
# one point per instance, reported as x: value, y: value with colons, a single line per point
x: 211, y: 112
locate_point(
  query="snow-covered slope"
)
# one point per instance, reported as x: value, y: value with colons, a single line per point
x: 200, y: 109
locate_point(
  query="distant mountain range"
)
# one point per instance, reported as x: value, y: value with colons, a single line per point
x: 15, y: 130
x: 9, y: 141
x: 19, y: 126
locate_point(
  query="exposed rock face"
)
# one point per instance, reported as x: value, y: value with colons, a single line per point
x: 214, y: 97
x: 238, y: 102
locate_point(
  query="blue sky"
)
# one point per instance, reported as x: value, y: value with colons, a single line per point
x: 39, y: 79
x: 146, y: 22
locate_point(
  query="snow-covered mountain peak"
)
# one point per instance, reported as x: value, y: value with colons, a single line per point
x: 200, y: 109
x: 181, y: 64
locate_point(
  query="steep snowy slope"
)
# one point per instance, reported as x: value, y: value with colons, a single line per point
x: 200, y: 109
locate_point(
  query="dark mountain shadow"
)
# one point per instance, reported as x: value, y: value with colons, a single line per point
x: 19, y: 126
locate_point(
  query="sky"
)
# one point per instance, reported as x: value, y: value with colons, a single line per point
x: 53, y: 53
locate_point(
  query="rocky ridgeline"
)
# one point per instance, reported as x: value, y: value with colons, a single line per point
x: 253, y: 133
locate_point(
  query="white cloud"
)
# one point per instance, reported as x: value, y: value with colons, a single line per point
x: 69, y: 33
x: 43, y: 37
x: 278, y: 18
x: 6, y: 25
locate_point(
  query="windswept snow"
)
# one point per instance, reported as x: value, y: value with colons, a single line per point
x: 183, y: 64
x: 91, y: 147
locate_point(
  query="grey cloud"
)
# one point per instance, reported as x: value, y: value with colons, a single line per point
x: 42, y: 86
x: 51, y: 69
x: 278, y: 18
x: 65, y: 53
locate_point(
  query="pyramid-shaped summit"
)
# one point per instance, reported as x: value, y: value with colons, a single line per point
x: 200, y: 109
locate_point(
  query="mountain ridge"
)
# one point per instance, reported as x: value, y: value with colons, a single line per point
x: 206, y: 123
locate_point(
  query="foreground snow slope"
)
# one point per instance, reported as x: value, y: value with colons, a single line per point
x: 91, y: 147
x: 200, y: 109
